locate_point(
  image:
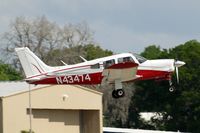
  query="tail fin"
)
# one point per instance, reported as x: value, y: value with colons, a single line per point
x: 31, y: 64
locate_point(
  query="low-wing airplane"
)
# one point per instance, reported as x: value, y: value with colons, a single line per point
x: 115, y: 69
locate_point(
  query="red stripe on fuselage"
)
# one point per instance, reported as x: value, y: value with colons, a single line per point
x: 153, y: 74
x: 94, y: 78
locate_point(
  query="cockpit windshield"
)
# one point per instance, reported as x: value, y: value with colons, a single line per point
x: 139, y: 58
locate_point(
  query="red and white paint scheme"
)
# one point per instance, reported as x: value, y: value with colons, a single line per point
x: 114, y: 69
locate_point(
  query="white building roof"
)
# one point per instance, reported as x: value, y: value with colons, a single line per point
x: 13, y: 87
x: 126, y: 130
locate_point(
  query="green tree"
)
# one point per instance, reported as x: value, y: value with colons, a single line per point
x: 70, y: 55
x: 185, y: 111
x: 93, y: 52
x: 152, y: 52
x: 181, y: 109
x: 8, y: 73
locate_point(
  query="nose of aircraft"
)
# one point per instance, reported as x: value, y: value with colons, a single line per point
x: 179, y: 63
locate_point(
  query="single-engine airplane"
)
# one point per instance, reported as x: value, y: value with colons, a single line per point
x: 115, y: 69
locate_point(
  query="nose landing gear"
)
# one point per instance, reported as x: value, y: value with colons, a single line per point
x: 171, y: 86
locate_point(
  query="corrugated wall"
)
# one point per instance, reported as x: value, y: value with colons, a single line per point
x: 91, y: 121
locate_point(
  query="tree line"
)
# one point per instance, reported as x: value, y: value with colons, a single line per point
x: 180, y: 110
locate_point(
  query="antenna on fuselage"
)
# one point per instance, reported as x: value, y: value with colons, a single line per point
x: 63, y: 62
x: 83, y: 59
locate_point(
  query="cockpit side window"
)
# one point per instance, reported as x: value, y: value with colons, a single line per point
x: 95, y: 66
x: 108, y: 63
x: 125, y: 59
x: 140, y: 58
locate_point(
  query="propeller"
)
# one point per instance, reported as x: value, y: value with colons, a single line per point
x: 178, y: 64
x: 177, y: 75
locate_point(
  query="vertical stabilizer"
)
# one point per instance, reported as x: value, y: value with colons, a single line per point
x: 31, y: 64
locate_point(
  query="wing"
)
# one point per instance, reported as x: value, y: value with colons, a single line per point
x: 123, y: 72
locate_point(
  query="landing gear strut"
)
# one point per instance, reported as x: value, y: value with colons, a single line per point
x: 118, y: 93
x: 171, y: 86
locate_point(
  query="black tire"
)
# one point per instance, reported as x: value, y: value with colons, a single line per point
x: 114, y: 94
x: 120, y: 92
x: 172, y: 88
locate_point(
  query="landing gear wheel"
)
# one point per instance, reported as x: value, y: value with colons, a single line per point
x: 172, y: 88
x: 114, y: 94
x: 118, y: 93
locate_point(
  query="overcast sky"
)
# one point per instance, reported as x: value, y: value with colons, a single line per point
x: 119, y: 25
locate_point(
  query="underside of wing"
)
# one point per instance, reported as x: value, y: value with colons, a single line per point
x: 124, y: 72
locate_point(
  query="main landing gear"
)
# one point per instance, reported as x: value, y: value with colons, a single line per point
x: 118, y: 93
